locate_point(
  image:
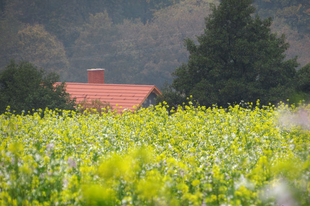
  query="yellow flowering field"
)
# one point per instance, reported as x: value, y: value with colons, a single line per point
x: 196, y: 156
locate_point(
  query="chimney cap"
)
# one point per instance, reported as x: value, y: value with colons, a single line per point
x: 95, y: 69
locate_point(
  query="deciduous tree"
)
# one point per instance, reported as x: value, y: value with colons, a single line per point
x: 153, y: 50
x: 42, y: 49
x: 23, y: 87
x: 96, y: 46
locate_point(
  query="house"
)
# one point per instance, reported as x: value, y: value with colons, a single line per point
x: 119, y: 96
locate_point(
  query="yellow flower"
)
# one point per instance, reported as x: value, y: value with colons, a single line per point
x: 16, y: 148
x: 213, y: 198
x: 195, y: 183
x: 46, y: 160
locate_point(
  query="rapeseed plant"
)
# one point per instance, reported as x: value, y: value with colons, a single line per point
x: 195, y: 156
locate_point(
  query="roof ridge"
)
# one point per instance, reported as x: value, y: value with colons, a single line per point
x: 98, y: 84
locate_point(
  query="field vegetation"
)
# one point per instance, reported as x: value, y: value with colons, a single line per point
x: 196, y: 156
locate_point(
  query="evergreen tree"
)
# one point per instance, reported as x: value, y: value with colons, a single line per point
x: 237, y: 58
x: 302, y: 85
x: 23, y: 87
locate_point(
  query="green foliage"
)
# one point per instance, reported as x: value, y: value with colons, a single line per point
x: 42, y: 49
x: 63, y: 19
x: 9, y: 28
x: 170, y: 96
x: 299, y: 42
x: 142, y: 9
x: 197, y: 156
x: 151, y: 51
x: 137, y: 41
x: 302, y: 85
x: 295, y: 12
x: 94, y: 107
x: 237, y: 58
x: 303, y: 79
x: 95, y: 46
x: 134, y: 52
x: 25, y: 88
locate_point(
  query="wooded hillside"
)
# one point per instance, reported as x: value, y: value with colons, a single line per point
x: 137, y: 42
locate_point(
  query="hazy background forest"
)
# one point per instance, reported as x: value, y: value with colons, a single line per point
x: 136, y: 41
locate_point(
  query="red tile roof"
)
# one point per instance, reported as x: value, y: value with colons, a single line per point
x: 124, y: 95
